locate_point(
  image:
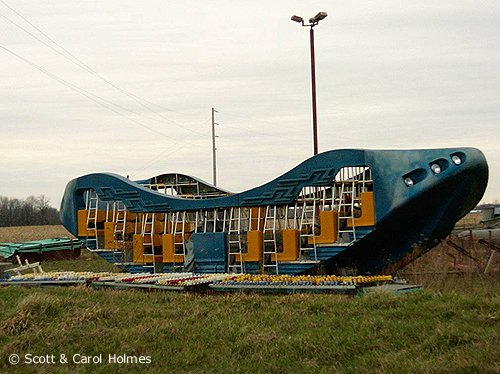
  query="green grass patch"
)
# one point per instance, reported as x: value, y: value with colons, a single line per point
x: 425, y: 332
x: 88, y: 261
x: 453, y: 326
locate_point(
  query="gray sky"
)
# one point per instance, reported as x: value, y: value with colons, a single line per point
x: 391, y: 74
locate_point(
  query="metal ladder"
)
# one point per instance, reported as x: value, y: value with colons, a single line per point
x: 307, y: 223
x: 346, y: 211
x: 92, y: 207
x: 120, y: 220
x: 119, y: 229
x: 270, y: 247
x: 235, y: 260
x: 148, y: 245
x: 179, y: 219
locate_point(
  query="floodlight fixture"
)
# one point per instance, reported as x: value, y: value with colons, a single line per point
x: 318, y: 17
x: 297, y: 19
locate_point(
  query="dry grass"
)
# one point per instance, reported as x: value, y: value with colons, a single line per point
x: 28, y: 233
x: 446, y: 269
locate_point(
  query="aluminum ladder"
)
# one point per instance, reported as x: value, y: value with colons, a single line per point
x: 92, y: 208
x: 235, y: 260
x: 270, y: 246
x: 148, y: 245
x: 119, y: 229
x: 179, y: 231
x: 307, y: 222
x: 346, y: 212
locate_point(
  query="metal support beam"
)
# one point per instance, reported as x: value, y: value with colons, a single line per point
x: 460, y: 249
x: 489, y: 245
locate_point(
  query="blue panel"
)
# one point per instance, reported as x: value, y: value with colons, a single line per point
x: 135, y: 268
x: 252, y: 267
x: 294, y: 267
x: 326, y: 253
x: 111, y: 256
x: 209, y: 252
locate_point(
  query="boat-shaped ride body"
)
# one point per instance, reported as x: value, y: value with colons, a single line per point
x: 356, y: 209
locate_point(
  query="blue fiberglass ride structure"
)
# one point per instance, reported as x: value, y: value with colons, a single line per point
x: 363, y: 210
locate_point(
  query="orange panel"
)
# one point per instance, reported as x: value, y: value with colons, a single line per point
x: 328, y: 222
x: 290, y: 246
x: 149, y: 259
x: 138, y: 249
x: 129, y: 227
x: 82, y: 223
x: 157, y: 240
x: 254, y: 247
x: 168, y: 246
x: 367, y: 203
x: 109, y: 233
x: 131, y: 216
x: 158, y: 227
x: 101, y: 215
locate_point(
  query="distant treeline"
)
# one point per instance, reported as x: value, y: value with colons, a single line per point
x: 34, y: 210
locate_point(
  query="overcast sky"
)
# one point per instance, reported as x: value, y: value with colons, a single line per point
x: 128, y: 86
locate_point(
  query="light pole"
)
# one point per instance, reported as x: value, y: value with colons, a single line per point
x: 214, y: 160
x: 313, y: 21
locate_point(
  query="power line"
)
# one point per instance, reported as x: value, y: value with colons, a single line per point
x: 43, y: 33
x: 172, y: 148
x: 81, y: 91
x: 73, y: 59
x: 109, y: 105
x: 37, y: 38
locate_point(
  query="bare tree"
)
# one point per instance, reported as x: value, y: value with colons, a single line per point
x: 30, y: 211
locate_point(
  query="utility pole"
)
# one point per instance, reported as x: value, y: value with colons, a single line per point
x: 214, y: 160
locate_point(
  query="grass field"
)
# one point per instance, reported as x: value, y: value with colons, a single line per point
x: 451, y: 327
x: 27, y: 233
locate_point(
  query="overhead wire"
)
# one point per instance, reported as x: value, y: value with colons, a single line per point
x: 93, y: 97
x: 173, y: 147
x: 109, y: 105
x: 73, y: 59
